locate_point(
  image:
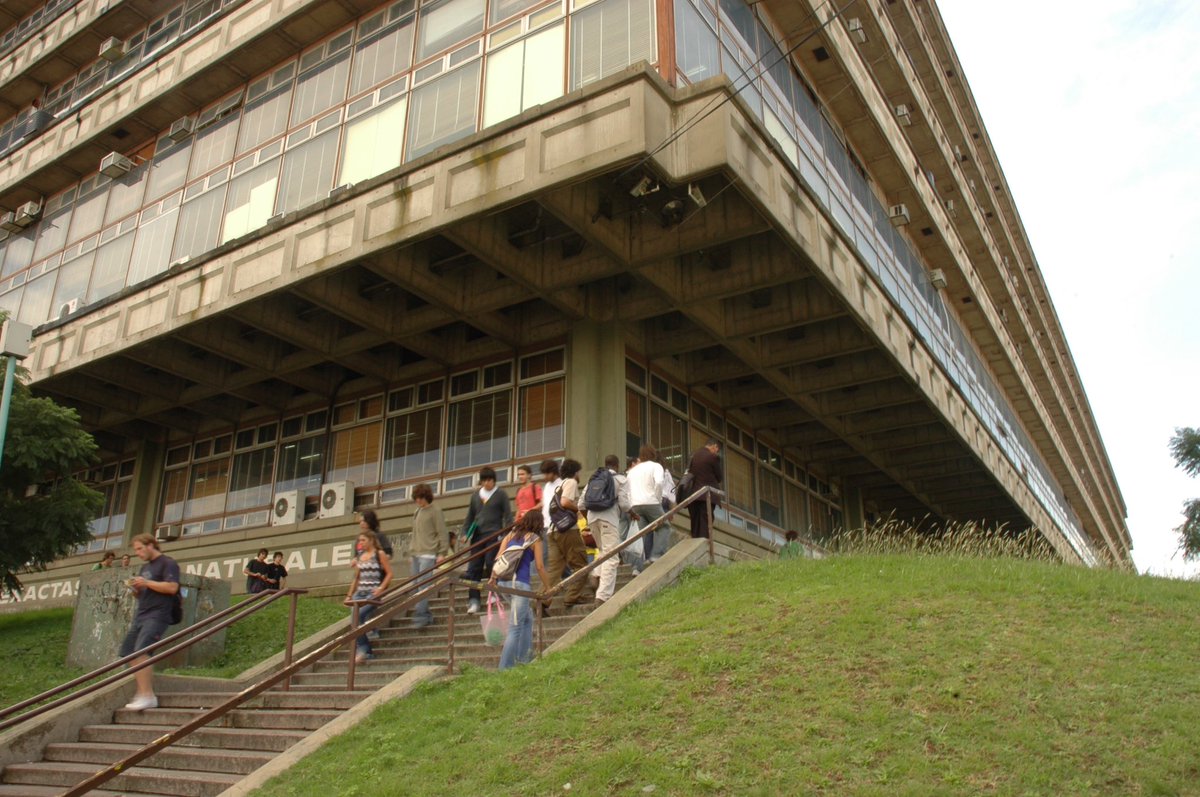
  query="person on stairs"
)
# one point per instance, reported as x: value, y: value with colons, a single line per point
x: 489, y: 512
x: 372, y: 575
x: 518, y: 645
x: 564, y: 540
x: 606, y: 499
x: 429, y: 546
x: 155, y: 586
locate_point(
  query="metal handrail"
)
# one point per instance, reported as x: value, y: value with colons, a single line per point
x: 217, y: 622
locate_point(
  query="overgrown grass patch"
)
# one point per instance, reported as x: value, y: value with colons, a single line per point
x: 864, y: 675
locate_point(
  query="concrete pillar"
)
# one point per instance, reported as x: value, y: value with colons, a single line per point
x: 142, y: 510
x: 595, y: 392
x: 853, y: 515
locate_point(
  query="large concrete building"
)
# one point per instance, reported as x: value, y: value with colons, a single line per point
x: 288, y: 257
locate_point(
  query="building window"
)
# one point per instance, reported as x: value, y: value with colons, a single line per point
x: 668, y: 435
x: 635, y: 421
x: 207, y: 487
x: 770, y: 497
x: 739, y: 479
x: 524, y: 74
x: 301, y: 465
x: 354, y: 455
x: 608, y: 36
x: 443, y: 110
x: 540, y: 428
x: 479, y: 431
x: 413, y: 445
x: 252, y: 480
x: 446, y: 23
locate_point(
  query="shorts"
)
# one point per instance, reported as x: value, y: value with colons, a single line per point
x: 142, y: 634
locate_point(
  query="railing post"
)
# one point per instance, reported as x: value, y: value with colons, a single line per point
x: 291, y: 639
x: 712, y: 556
x: 353, y: 647
x: 450, y: 631
x: 538, y: 609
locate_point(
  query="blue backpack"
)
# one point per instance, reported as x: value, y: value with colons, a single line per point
x: 601, y: 491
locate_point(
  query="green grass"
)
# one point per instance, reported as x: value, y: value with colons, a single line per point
x: 33, y: 645
x: 856, y: 675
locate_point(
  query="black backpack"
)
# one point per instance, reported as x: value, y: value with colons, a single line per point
x: 601, y: 490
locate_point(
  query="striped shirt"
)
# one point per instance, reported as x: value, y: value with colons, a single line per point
x: 370, y: 574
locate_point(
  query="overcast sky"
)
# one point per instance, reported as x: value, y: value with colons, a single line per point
x: 1094, y: 113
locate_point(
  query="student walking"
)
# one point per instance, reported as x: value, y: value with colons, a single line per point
x: 563, y: 539
x: 156, y: 586
x: 429, y: 546
x: 372, y: 575
x: 646, y: 494
x: 518, y: 645
x: 606, y: 499
x: 488, y: 513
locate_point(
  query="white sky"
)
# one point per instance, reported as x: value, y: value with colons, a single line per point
x: 1094, y: 113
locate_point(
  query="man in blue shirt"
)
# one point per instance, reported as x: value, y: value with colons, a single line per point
x: 155, y: 586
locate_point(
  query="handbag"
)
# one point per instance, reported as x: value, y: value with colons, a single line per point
x: 495, y: 623
x: 686, y: 486
x: 508, y: 560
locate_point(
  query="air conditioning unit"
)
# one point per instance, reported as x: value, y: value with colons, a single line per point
x: 898, y: 214
x: 903, y: 115
x: 288, y: 509
x: 857, y: 31
x: 950, y: 209
x: 168, y: 532
x: 959, y: 155
x: 28, y: 213
x: 181, y: 128
x: 112, y: 49
x: 114, y: 165
x: 9, y: 222
x: 68, y: 307
x: 337, y: 499
x: 937, y: 278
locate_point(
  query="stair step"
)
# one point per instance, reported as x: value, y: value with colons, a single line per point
x: 271, y: 740
x: 285, y: 719
x: 336, y: 700
x: 29, y: 790
x: 146, y: 779
x: 236, y: 762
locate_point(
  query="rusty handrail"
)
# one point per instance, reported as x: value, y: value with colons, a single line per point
x: 217, y: 621
x: 347, y: 638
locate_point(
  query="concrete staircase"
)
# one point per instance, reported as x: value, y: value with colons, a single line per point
x: 214, y: 758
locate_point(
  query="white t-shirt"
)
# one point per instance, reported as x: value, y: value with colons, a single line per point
x: 646, y: 483
x: 548, y: 490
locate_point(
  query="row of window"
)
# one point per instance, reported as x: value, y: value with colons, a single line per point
x: 765, y: 488
x: 290, y: 137
x: 31, y: 24
x: 740, y: 40
x: 487, y: 416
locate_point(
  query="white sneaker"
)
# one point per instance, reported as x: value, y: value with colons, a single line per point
x: 142, y: 702
x: 473, y: 608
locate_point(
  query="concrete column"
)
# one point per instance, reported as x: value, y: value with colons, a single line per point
x: 853, y: 515
x: 595, y: 392
x: 142, y: 510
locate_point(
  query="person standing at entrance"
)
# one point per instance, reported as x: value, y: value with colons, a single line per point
x: 429, y: 547
x: 155, y: 586
x: 706, y: 472
x: 488, y: 513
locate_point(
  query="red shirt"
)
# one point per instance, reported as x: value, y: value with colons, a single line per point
x: 528, y: 497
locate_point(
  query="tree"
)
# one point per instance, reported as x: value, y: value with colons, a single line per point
x: 1185, y: 448
x: 44, y: 511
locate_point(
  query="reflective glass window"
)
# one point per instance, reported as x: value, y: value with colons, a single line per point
x: 478, y: 431
x: 251, y: 200
x: 524, y: 74
x: 381, y: 56
x: 374, y: 142
x: 540, y: 425
x: 444, y: 24
x: 443, y: 110
x: 608, y: 36
x: 308, y: 172
x: 250, y: 485
x: 413, y: 445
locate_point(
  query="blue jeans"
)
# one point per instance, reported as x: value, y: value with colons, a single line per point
x: 518, y: 645
x: 420, y: 564
x: 365, y: 612
x: 658, y: 540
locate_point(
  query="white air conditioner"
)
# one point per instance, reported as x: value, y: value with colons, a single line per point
x: 9, y: 222
x: 903, y: 115
x: 288, y: 509
x: 898, y: 214
x: 168, y: 532
x: 114, y: 164
x: 937, y: 278
x: 857, y: 31
x: 950, y: 209
x: 337, y: 499
x: 181, y: 128
x: 68, y: 307
x: 112, y: 49
x: 28, y: 213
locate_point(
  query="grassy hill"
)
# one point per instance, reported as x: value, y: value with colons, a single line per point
x: 859, y: 675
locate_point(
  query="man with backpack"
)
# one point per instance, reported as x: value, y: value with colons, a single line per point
x: 606, y: 499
